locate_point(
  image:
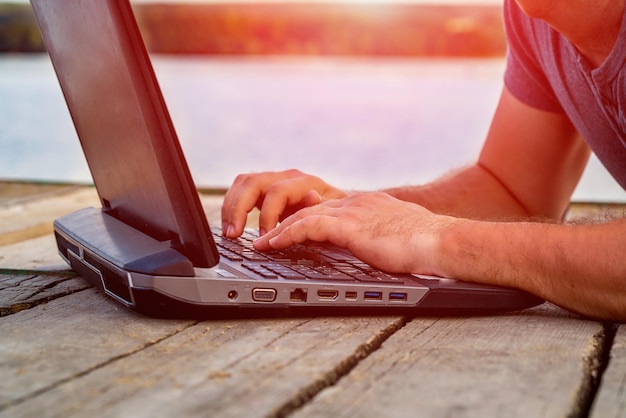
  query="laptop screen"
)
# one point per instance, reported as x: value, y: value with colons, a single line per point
x: 121, y: 119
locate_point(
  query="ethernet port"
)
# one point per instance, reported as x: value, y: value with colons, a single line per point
x: 298, y: 295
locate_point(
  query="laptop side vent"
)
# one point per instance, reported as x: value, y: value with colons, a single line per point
x: 114, y: 282
x: 64, y: 246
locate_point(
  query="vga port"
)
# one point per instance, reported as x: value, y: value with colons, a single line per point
x: 263, y: 295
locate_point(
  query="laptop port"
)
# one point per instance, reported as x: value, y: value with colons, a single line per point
x: 397, y: 296
x: 351, y: 295
x: 263, y: 295
x: 373, y: 295
x: 327, y: 294
x: 298, y: 295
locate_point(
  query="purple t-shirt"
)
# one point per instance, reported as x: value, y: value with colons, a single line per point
x: 546, y: 71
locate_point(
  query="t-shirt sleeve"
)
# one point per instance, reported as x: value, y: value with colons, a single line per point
x: 524, y: 76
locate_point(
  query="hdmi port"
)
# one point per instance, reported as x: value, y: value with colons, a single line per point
x: 327, y: 294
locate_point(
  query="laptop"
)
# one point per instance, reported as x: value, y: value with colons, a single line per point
x: 149, y: 246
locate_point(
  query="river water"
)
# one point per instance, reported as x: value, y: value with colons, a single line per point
x: 358, y: 123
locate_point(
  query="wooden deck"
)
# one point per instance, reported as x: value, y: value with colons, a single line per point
x: 66, y: 350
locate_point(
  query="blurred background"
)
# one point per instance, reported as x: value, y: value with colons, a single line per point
x: 364, y: 94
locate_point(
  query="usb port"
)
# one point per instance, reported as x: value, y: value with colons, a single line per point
x: 373, y: 296
x: 397, y: 296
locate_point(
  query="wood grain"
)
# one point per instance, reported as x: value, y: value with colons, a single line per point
x: 517, y: 365
x: 68, y: 337
x: 21, y: 290
x: 33, y: 218
x: 84, y: 353
x: 38, y: 254
x: 15, y: 192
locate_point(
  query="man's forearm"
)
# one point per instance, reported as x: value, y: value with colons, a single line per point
x: 579, y: 267
x: 471, y: 192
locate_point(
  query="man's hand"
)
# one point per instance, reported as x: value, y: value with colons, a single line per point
x: 383, y: 231
x: 276, y: 194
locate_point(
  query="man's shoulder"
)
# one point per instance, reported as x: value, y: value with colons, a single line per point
x: 521, y: 27
x: 529, y: 52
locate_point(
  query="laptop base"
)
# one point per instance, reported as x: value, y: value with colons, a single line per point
x: 146, y: 275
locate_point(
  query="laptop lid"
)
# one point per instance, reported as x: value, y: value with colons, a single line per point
x: 154, y: 194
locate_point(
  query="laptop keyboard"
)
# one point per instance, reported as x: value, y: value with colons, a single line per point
x: 299, y: 262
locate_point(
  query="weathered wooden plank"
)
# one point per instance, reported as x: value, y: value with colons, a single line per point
x: 33, y: 254
x: 84, y: 356
x: 527, y: 365
x: 611, y: 399
x: 21, y: 290
x: 33, y: 218
x: 68, y: 337
x: 13, y: 192
x: 26, y: 215
x: 597, y: 211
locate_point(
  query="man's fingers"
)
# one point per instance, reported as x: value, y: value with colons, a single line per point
x: 311, y: 228
x: 277, y: 195
x: 319, y: 223
x: 285, y: 198
x: 247, y: 192
x: 313, y: 198
x: 240, y: 199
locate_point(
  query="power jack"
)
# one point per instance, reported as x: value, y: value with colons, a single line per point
x: 233, y: 295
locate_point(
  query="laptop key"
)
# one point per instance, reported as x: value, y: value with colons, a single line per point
x: 259, y: 269
x: 284, y: 272
x: 253, y: 256
x: 322, y: 273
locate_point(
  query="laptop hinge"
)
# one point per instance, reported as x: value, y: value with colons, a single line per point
x: 119, y: 244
